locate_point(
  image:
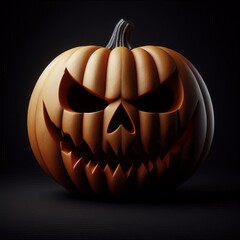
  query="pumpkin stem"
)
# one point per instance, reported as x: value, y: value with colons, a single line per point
x: 121, y: 34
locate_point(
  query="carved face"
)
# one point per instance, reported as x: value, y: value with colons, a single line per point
x: 106, y: 120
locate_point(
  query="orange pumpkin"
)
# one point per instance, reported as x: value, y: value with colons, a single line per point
x: 118, y: 120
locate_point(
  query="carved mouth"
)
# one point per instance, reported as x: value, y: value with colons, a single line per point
x: 136, y: 163
x: 133, y: 160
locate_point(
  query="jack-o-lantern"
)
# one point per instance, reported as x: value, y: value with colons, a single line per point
x: 114, y: 119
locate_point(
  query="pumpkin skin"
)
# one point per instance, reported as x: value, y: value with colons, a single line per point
x: 114, y: 121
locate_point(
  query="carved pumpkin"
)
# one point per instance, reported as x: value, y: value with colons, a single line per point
x: 117, y: 120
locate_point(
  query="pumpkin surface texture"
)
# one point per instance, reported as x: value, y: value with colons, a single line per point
x: 114, y: 120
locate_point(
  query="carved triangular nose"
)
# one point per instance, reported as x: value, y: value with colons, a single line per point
x: 120, y: 117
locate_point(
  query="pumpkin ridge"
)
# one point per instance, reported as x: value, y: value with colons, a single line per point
x: 146, y: 78
x: 95, y: 70
x: 209, y: 115
x: 32, y: 118
x: 39, y: 106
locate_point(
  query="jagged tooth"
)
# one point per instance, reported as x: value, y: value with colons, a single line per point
x: 95, y: 169
x: 90, y: 166
x: 166, y: 159
x: 142, y: 174
x: 79, y: 162
x: 116, y: 181
x: 119, y: 172
x: 96, y: 177
x: 74, y: 159
x: 132, y: 175
x: 150, y: 166
x: 129, y: 171
x: 67, y: 159
x: 108, y: 172
x: 64, y: 147
x: 160, y: 166
x: 76, y: 171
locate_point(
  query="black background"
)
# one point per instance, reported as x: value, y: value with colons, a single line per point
x: 206, y: 206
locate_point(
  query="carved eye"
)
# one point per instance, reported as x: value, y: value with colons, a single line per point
x: 77, y: 98
x: 163, y: 99
x: 80, y: 99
